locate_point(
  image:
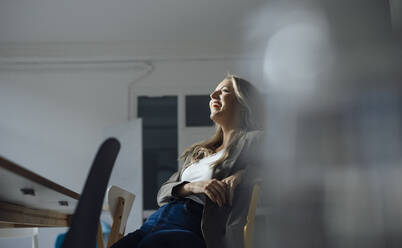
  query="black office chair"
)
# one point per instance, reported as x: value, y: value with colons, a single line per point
x: 84, y: 225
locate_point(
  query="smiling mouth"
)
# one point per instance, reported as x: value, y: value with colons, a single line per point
x: 216, y: 106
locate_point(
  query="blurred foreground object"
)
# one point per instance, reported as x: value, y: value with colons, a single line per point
x: 333, y: 159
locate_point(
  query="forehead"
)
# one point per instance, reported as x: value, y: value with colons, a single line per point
x: 225, y: 83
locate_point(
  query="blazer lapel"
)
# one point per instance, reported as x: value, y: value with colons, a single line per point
x: 185, y: 165
x: 227, y: 165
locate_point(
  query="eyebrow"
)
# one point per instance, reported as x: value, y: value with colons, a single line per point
x: 223, y: 87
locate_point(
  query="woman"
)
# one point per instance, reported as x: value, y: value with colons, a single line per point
x: 205, y: 203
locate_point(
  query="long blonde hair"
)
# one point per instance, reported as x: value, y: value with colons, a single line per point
x: 251, y: 118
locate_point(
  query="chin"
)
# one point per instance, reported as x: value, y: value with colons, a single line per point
x: 215, y: 117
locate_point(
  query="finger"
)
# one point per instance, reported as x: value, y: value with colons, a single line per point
x: 225, y: 187
x: 216, y: 194
x: 211, y: 196
x: 236, y: 181
x: 221, y: 189
x: 226, y: 180
x: 223, y: 183
x: 231, y: 194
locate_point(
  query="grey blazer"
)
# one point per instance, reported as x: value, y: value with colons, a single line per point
x: 222, y: 227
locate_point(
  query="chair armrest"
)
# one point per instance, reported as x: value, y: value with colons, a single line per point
x: 249, y: 227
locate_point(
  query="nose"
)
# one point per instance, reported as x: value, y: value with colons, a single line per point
x: 214, y: 94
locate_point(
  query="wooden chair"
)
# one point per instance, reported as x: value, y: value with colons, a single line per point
x: 120, y: 203
x: 85, y: 221
x: 249, y: 227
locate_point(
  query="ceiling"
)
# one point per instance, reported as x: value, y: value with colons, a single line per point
x: 23, y: 21
x: 164, y: 28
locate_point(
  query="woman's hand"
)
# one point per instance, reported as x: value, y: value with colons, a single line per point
x: 231, y: 182
x: 214, y: 189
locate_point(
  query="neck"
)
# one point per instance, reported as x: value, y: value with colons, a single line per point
x: 227, y: 135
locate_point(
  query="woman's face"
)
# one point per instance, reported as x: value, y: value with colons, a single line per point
x: 223, y: 103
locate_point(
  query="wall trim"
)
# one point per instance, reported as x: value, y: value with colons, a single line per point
x: 116, y: 52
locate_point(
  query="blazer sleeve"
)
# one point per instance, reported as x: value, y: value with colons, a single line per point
x: 166, y: 191
x: 254, y: 162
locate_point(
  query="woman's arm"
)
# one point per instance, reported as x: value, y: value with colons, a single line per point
x: 175, y: 189
x: 165, y: 193
x: 213, y: 189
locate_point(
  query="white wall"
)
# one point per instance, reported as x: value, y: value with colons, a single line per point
x: 52, y: 121
x: 53, y: 118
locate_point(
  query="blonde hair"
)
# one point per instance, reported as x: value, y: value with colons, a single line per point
x: 251, y: 118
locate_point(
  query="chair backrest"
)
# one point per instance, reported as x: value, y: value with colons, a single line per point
x: 249, y: 227
x: 120, y: 202
x: 84, y: 225
x: 113, y: 195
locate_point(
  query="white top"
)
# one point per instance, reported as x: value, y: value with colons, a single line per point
x: 200, y: 171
